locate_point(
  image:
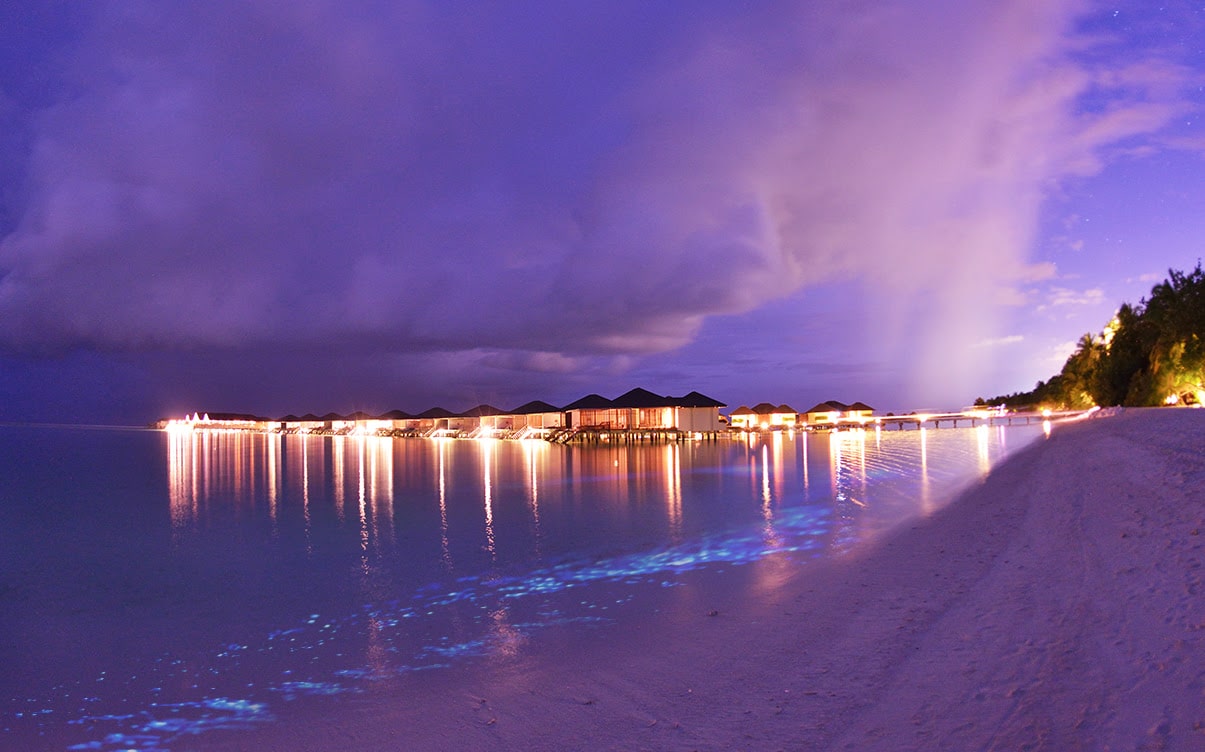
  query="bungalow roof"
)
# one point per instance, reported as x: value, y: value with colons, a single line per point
x: 309, y: 418
x: 764, y: 408
x: 333, y: 416
x: 535, y: 406
x: 590, y: 402
x: 396, y: 415
x: 829, y: 407
x: 290, y: 418
x: 694, y: 399
x: 861, y: 406
x: 480, y: 411
x: 642, y: 398
x: 785, y: 408
x: 232, y: 416
x: 743, y: 410
x: 359, y: 415
x: 436, y: 412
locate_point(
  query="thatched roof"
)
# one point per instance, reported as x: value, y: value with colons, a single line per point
x: 641, y: 398
x: 832, y: 406
x: 481, y: 411
x: 232, y: 416
x: 694, y: 399
x: 437, y: 412
x: 590, y: 402
x: 535, y: 406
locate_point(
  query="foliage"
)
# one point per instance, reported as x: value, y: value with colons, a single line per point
x: 1150, y: 354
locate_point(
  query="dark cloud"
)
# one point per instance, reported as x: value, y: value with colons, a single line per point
x: 546, y: 188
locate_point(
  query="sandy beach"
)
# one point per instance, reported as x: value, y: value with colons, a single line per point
x: 1056, y: 606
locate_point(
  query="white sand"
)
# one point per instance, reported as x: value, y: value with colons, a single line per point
x: 1060, y: 606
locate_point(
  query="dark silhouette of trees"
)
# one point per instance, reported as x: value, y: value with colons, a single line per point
x: 1149, y: 354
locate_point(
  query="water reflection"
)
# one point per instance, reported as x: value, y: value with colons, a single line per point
x: 305, y: 490
x: 273, y: 442
x: 213, y: 475
x: 382, y: 557
x: 533, y: 449
x: 673, y: 491
x: 926, y: 493
x: 984, y: 452
x: 767, y: 497
x: 487, y: 456
x: 311, y: 484
x: 338, y: 462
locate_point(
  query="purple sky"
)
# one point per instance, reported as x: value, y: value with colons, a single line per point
x: 278, y: 206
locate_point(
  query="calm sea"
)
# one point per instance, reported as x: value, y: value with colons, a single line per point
x: 156, y: 586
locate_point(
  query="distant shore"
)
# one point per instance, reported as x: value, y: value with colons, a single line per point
x: 1058, y: 606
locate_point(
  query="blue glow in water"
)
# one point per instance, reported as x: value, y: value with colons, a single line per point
x: 503, y: 541
x: 155, y: 726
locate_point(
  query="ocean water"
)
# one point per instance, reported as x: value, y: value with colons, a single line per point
x: 156, y: 587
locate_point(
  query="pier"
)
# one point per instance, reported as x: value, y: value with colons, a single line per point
x: 605, y: 435
x: 968, y: 419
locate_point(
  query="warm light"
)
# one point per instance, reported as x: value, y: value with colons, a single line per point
x: 1171, y: 399
x: 1046, y: 413
x: 1106, y: 337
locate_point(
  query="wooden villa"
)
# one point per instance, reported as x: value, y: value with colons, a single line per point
x: 636, y: 411
x: 643, y: 411
x: 831, y: 414
x: 764, y: 417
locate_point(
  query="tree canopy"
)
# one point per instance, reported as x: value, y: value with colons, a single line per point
x: 1149, y: 354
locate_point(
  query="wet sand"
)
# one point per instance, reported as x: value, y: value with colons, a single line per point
x: 1057, y: 606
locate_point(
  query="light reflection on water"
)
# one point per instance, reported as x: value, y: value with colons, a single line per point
x: 366, y: 559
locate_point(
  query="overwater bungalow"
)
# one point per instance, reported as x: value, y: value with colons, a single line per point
x: 834, y: 413
x: 765, y: 417
x: 592, y: 411
x: 482, y: 420
x: 433, y: 422
x: 220, y: 422
x: 305, y: 424
x: 859, y: 412
x: 536, y: 415
x: 697, y: 413
x: 396, y: 419
x: 634, y: 410
x: 370, y: 425
x: 337, y: 424
x: 640, y: 409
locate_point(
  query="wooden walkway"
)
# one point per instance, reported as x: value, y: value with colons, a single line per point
x: 968, y: 419
x: 604, y: 435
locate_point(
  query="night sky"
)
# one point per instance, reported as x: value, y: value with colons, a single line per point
x: 276, y: 206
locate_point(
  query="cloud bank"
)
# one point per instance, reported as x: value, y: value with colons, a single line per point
x: 539, y: 182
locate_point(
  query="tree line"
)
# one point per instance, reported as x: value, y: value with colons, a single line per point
x: 1149, y: 354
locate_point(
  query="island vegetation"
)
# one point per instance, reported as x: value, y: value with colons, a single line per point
x: 1150, y: 354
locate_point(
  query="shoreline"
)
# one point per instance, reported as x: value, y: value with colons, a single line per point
x: 1055, y: 606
